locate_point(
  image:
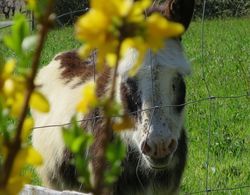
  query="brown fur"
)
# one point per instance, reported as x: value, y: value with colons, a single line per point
x: 175, y: 10
x: 72, y: 66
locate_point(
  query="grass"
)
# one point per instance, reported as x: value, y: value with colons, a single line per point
x: 225, y: 67
x: 226, y: 70
x: 58, y: 41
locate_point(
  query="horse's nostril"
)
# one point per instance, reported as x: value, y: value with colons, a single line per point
x: 172, y: 146
x: 159, y: 148
x: 145, y: 148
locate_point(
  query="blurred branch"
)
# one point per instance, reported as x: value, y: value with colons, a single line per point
x: 15, y: 145
x: 104, y: 137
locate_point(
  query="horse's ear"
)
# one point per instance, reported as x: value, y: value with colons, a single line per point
x: 179, y: 11
x: 176, y: 10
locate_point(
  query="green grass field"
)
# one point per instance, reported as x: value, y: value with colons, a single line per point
x: 225, y: 69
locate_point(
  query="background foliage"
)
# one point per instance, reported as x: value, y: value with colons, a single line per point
x: 223, y: 8
x: 65, y: 6
x: 214, y: 9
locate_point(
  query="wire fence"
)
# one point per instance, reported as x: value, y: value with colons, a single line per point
x: 31, y: 20
x: 149, y: 110
x: 209, y: 98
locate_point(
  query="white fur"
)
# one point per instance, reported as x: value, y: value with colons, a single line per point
x: 63, y: 101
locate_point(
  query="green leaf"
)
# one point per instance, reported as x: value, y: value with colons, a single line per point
x: 68, y: 137
x: 76, y: 144
x: 83, y: 170
x: 112, y: 108
x: 19, y: 31
x: 78, y: 141
x: 10, y: 43
x: 115, y: 151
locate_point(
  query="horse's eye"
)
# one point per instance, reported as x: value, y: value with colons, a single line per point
x: 179, y: 89
x: 130, y: 96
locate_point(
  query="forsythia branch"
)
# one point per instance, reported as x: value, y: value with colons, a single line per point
x: 105, y: 136
x: 15, y: 146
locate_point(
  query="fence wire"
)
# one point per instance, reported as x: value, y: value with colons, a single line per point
x: 149, y: 109
x: 209, y: 95
x: 209, y: 99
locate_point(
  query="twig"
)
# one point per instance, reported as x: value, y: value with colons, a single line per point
x: 15, y: 146
x: 104, y: 138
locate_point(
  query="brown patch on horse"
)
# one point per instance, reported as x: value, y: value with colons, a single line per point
x: 73, y: 66
x: 102, y: 82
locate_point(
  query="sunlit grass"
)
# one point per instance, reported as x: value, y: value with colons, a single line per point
x: 226, y: 70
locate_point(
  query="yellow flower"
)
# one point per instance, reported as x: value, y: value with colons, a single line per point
x: 8, y: 69
x: 138, y: 44
x: 9, y: 87
x: 14, y: 185
x: 113, y: 8
x: 101, y: 26
x: 89, y: 98
x: 27, y: 127
x: 39, y: 102
x: 33, y: 157
x: 27, y: 155
x: 125, y: 124
x: 92, y: 27
x: 84, y: 51
x: 137, y: 65
x: 109, y: 24
x: 158, y: 29
x: 16, y: 180
x: 20, y: 83
x: 12, y: 88
x: 32, y: 4
x: 111, y: 59
x: 136, y: 14
x: 16, y: 103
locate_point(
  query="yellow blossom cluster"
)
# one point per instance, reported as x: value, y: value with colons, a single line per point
x: 16, y: 181
x: 13, y: 88
x: 32, y: 4
x: 89, y: 98
x: 113, y: 26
